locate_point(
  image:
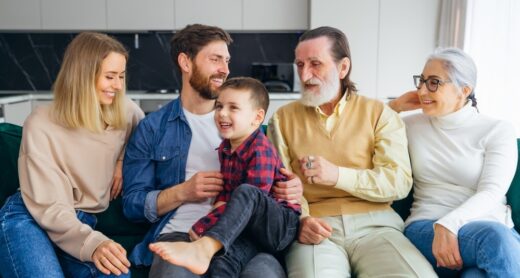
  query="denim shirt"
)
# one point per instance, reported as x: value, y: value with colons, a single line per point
x: 155, y: 159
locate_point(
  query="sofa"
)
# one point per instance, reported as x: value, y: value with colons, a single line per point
x: 112, y: 221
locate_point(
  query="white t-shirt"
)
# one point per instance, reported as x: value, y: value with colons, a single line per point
x: 462, y: 165
x: 202, y: 156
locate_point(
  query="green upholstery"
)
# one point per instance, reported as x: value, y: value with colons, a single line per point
x: 113, y: 223
x: 513, y: 195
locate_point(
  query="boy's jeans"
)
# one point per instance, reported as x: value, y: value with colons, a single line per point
x: 488, y: 249
x: 27, y: 251
x: 253, y: 222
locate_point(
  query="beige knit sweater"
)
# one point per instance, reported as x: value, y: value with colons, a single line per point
x: 62, y: 170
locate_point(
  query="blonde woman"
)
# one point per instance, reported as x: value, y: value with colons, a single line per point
x: 70, y: 168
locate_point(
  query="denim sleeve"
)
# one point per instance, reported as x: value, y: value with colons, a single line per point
x: 139, y: 190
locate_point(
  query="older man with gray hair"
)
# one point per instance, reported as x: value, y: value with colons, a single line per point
x: 351, y: 153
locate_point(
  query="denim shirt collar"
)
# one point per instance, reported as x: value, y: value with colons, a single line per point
x: 176, y: 110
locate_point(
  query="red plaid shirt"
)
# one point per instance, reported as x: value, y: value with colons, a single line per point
x: 254, y: 162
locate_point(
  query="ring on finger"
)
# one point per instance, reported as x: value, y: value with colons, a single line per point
x: 310, y: 159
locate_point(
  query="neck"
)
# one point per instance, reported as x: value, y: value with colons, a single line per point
x: 328, y: 108
x: 193, y: 102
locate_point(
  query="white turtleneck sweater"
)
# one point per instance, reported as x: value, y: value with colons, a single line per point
x: 462, y: 165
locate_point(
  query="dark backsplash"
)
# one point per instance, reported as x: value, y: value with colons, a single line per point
x: 30, y: 61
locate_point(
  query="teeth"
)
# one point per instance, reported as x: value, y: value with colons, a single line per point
x: 110, y: 94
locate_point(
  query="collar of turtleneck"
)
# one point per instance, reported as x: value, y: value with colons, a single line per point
x: 457, y: 119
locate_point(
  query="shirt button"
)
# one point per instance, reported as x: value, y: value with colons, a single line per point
x: 164, y: 157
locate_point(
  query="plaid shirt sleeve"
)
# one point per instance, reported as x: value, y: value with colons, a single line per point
x: 206, y: 222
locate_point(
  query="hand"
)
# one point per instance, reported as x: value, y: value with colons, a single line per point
x: 201, y: 186
x: 406, y: 102
x: 313, y: 230
x: 318, y: 170
x: 290, y: 190
x: 193, y: 235
x: 110, y: 258
x: 445, y: 248
x: 117, y: 181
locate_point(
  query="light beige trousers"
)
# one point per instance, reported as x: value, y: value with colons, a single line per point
x: 366, y: 245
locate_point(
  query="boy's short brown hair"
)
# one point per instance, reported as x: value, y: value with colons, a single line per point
x: 258, y: 92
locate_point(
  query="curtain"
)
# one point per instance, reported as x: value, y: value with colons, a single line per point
x: 452, y: 23
x: 492, y: 38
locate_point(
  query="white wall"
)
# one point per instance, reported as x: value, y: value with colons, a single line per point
x: 389, y: 39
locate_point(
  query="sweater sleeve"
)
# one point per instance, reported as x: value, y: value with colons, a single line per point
x: 500, y: 160
x: 48, y: 195
x: 391, y: 177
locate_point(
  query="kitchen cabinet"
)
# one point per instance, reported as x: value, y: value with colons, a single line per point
x: 17, y: 112
x: 20, y: 15
x: 140, y: 15
x: 276, y: 15
x: 150, y: 105
x: 74, y: 15
x: 226, y: 14
x: 389, y: 40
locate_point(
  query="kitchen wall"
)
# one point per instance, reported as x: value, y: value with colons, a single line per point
x: 30, y: 61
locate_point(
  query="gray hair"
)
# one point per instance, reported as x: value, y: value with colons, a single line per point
x: 460, y: 67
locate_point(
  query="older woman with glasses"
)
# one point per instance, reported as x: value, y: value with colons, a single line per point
x: 462, y: 163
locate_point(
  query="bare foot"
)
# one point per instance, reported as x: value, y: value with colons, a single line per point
x: 194, y: 256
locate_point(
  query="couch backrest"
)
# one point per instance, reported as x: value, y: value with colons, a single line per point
x: 10, y: 137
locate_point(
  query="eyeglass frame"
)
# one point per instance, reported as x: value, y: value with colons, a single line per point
x: 418, y: 80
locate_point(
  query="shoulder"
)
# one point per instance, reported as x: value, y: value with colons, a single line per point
x: 39, y: 119
x: 494, y: 127
x: 153, y: 120
x: 132, y: 109
x: 292, y: 107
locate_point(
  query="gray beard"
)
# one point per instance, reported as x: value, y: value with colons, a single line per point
x: 327, y: 92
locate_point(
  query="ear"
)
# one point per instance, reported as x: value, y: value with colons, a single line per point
x: 344, y: 66
x: 259, y: 119
x: 466, y: 91
x: 184, y: 62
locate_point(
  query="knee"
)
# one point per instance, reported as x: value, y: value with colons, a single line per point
x: 492, y: 232
x: 247, y: 189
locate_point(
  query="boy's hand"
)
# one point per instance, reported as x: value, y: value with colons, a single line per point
x: 290, y: 190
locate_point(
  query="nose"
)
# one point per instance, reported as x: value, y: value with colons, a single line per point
x: 224, y: 68
x: 117, y: 83
x: 305, y: 73
x: 422, y: 91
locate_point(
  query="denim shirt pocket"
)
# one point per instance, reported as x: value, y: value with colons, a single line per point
x: 167, y: 165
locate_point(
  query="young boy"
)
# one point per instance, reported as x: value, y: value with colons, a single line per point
x: 246, y: 219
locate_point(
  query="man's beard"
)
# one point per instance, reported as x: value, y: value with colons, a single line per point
x: 327, y: 91
x: 202, y: 84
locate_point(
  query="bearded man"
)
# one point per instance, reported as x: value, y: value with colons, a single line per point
x: 351, y: 153
x: 171, y: 170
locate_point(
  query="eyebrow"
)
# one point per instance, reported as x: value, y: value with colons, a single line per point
x: 115, y: 72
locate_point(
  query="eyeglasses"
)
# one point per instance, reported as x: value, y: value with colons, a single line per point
x: 432, y: 83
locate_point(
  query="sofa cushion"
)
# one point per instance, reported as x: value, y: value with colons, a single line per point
x: 10, y: 138
x: 513, y: 195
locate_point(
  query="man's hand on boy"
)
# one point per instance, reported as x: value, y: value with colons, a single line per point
x: 201, y: 186
x: 290, y: 190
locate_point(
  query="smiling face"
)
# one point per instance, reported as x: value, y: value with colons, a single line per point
x: 235, y: 115
x: 319, y: 73
x: 447, y: 99
x: 111, y: 79
x: 210, y: 69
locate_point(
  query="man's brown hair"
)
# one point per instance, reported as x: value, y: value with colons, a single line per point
x: 192, y: 38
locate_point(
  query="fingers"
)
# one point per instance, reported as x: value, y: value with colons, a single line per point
x: 288, y: 174
x: 110, y: 257
x: 117, y: 187
x: 314, y: 230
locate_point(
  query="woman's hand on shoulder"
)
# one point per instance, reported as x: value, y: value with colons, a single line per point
x: 406, y: 102
x: 110, y: 258
x: 445, y: 248
x: 117, y: 181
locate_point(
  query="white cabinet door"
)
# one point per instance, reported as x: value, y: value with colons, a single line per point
x: 140, y: 15
x: 74, y: 15
x: 359, y: 20
x: 16, y: 113
x: 276, y: 15
x: 226, y: 14
x: 20, y: 15
x: 407, y: 35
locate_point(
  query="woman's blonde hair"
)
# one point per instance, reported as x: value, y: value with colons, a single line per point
x: 76, y: 104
